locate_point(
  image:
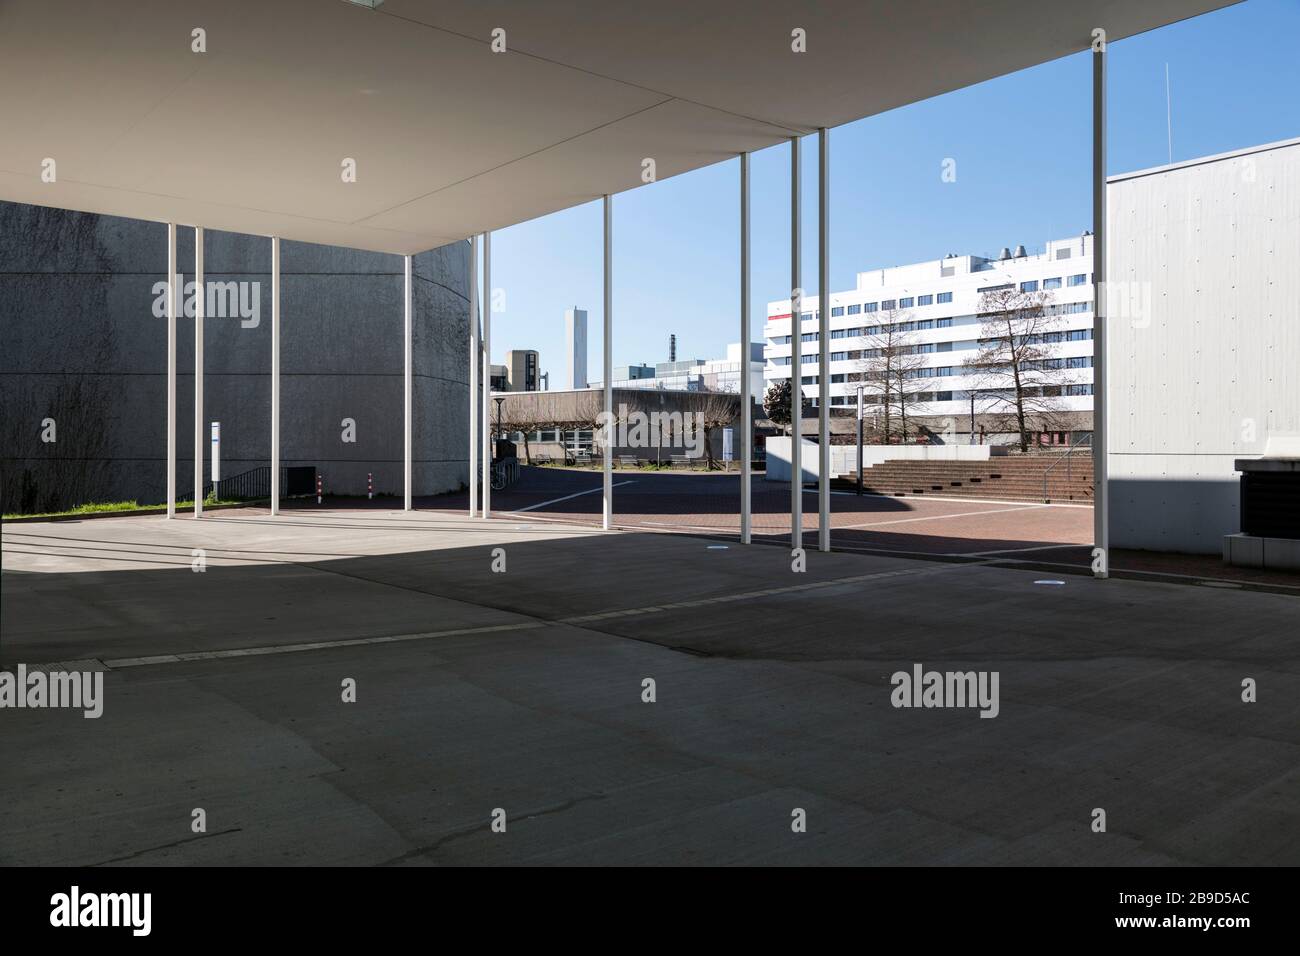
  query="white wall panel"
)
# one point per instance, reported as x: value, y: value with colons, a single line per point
x: 1212, y: 367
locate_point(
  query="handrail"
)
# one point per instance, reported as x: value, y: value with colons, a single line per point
x: 1065, y: 456
x: 254, y: 484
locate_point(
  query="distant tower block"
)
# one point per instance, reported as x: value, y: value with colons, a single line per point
x: 575, y: 324
x: 524, y: 366
x: 672, y: 348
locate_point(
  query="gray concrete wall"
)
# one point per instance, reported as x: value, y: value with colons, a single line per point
x: 79, y: 343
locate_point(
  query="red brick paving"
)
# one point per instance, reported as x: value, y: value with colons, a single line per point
x: 710, y: 503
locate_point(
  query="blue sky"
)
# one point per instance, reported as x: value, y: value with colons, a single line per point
x: 1023, y: 161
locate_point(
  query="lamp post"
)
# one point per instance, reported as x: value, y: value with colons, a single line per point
x: 860, y: 387
x: 499, y: 402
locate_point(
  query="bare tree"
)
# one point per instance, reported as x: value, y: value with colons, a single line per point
x: 1016, y: 365
x: 776, y: 402
x: 890, y: 368
x: 545, y: 411
x: 716, y: 410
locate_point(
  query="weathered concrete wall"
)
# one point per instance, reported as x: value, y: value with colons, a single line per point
x: 79, y: 343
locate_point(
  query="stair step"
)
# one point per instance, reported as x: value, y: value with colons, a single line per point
x: 1032, y: 478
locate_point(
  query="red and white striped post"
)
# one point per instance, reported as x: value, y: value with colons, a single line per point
x: 370, y: 485
x: 319, y: 485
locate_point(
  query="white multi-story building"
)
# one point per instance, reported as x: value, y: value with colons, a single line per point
x: 941, y: 300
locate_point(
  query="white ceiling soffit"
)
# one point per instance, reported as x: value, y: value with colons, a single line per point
x: 449, y: 137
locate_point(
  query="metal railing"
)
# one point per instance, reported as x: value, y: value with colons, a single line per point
x: 1067, y: 456
x: 252, y: 484
x: 255, y: 484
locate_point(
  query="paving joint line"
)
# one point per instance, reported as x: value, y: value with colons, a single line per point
x: 572, y: 620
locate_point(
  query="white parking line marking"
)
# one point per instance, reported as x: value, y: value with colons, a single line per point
x: 959, y: 514
x: 1044, y: 547
x: 578, y: 620
x: 576, y: 494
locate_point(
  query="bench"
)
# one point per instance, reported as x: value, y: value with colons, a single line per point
x: 627, y: 461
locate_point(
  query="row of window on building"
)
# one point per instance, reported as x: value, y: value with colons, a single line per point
x: 939, y: 298
x: 919, y: 325
x: 1040, y: 338
x: 1055, y: 283
x: 885, y: 305
x: 810, y: 358
x: 866, y: 330
x: 917, y: 399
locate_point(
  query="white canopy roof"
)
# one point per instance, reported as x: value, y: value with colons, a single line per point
x: 449, y: 137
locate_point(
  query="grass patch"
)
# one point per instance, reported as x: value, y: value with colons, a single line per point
x: 108, y: 507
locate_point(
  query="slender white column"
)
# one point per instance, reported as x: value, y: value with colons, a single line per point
x: 824, y: 340
x: 1101, y: 488
x: 486, y: 490
x: 608, y: 467
x: 796, y: 355
x: 406, y: 382
x: 200, y: 306
x: 174, y: 295
x: 746, y: 399
x: 275, y: 375
x: 474, y: 362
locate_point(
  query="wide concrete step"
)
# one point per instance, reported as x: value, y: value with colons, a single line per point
x: 976, y: 480
x: 1016, y: 479
x: 1007, y: 479
x: 872, y: 473
x: 970, y: 476
x: 1000, y: 494
x: 997, y: 475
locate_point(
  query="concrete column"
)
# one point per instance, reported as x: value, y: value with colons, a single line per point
x: 746, y: 399
x: 406, y: 382
x: 174, y: 295
x: 200, y: 305
x: 474, y: 361
x: 275, y: 375
x: 796, y: 356
x: 487, y: 374
x: 824, y: 340
x: 1101, y: 489
x: 608, y: 510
